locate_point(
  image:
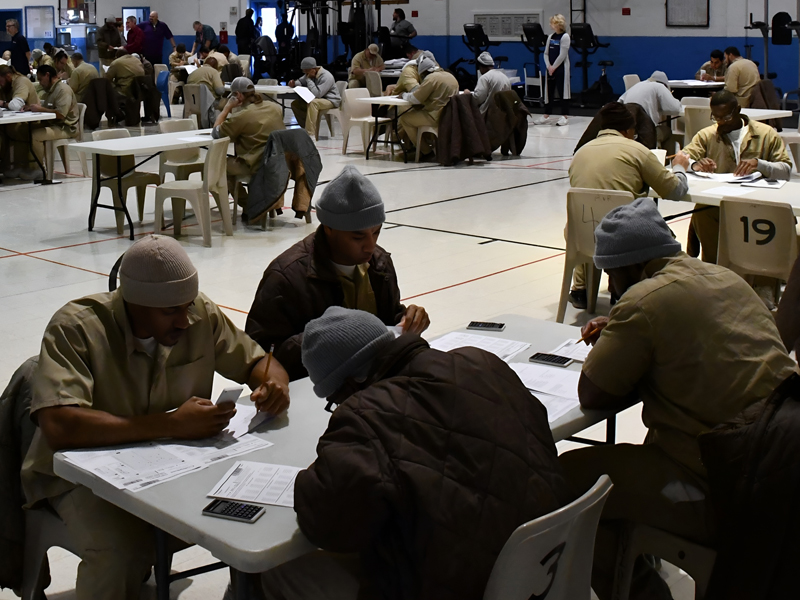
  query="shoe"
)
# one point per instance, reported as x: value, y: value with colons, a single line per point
x: 543, y: 120
x: 562, y: 121
x: 11, y: 173
x: 578, y: 299
x: 30, y: 174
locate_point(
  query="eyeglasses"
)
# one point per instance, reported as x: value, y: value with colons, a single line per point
x: 728, y: 117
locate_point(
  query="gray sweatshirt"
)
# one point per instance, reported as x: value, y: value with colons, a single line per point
x: 323, y: 86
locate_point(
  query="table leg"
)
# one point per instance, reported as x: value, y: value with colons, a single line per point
x: 95, y: 190
x: 241, y: 583
x: 373, y: 138
x: 611, y: 430
x: 121, y: 197
x: 163, y: 564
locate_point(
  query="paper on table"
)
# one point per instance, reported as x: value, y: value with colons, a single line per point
x: 772, y: 184
x: 728, y: 177
x: 557, y: 406
x: 245, y: 420
x: 261, y: 483
x: 305, y: 93
x: 190, y: 69
x: 549, y: 380
x: 572, y: 349
x: 728, y: 191
x: 505, y: 349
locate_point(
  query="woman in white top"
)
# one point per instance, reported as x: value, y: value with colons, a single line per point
x: 556, y: 60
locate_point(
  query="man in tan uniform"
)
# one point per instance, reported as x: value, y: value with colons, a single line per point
x: 16, y: 92
x: 179, y: 57
x: 82, y: 74
x: 249, y: 130
x: 741, y: 77
x: 111, y: 367
x: 208, y: 75
x: 123, y: 71
x: 62, y: 64
x: 695, y: 344
x: 222, y: 60
x: 429, y: 99
x: 714, y: 68
x: 366, y: 60
x: 734, y: 145
x: 614, y: 161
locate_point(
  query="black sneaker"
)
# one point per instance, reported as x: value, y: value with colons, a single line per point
x: 578, y: 299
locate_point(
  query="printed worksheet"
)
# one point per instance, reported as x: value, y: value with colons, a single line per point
x: 259, y: 483
x: 574, y: 350
x: 556, y: 381
x: 557, y: 406
x: 505, y: 349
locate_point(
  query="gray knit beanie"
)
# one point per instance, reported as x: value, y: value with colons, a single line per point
x: 350, y: 202
x: 308, y: 63
x: 157, y: 272
x: 631, y: 234
x: 341, y: 343
x: 660, y: 77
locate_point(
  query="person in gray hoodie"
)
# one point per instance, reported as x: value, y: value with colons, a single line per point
x: 321, y: 83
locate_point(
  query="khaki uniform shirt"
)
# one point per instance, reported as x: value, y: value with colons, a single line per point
x: 357, y: 290
x: 207, y: 76
x: 709, y: 70
x: 123, y: 71
x: 176, y: 60
x: 697, y: 345
x: 408, y: 80
x: 222, y: 61
x: 45, y: 59
x: 67, y: 71
x: 435, y: 92
x: 360, y: 62
x: 758, y: 141
x: 80, y: 78
x: 613, y: 162
x: 90, y: 358
x: 741, y: 78
x: 21, y: 87
x: 249, y: 130
x: 61, y: 98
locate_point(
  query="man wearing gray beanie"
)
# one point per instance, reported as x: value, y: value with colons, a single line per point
x: 424, y: 450
x: 128, y: 366
x: 320, y: 82
x: 696, y: 345
x: 339, y: 265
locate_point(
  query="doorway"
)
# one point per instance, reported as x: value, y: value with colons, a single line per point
x: 142, y: 13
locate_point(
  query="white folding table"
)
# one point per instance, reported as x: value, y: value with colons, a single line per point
x: 390, y: 101
x: 11, y: 118
x: 698, y: 193
x: 695, y: 84
x: 151, y: 145
x: 175, y: 507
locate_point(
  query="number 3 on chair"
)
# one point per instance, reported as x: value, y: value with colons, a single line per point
x: 760, y: 226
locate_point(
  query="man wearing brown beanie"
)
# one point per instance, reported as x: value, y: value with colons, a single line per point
x: 111, y: 367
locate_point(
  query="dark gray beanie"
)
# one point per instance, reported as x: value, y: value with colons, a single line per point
x: 341, y: 343
x: 350, y: 202
x: 631, y: 234
x: 308, y: 63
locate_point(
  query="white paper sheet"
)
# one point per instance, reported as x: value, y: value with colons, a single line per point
x: 556, y: 381
x: 505, y: 349
x: 557, y: 406
x: 142, y: 466
x: 728, y: 177
x: 395, y: 330
x: 260, y: 483
x: 771, y: 184
x: 245, y: 420
x: 574, y: 350
x: 197, y: 138
x: 305, y: 93
x: 190, y: 69
x: 727, y: 190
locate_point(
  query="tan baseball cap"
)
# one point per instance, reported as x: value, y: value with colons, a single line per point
x: 373, y: 48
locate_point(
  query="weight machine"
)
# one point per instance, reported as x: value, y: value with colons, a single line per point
x: 535, y: 40
x: 585, y: 42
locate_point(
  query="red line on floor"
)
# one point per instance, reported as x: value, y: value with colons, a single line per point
x: 244, y: 312
x: 55, y: 262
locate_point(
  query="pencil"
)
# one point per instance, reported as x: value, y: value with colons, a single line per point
x: 587, y: 336
x: 269, y: 360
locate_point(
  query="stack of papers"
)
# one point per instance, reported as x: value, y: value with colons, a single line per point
x: 728, y: 177
x: 259, y: 483
x: 574, y: 350
x: 505, y: 349
x: 555, y: 387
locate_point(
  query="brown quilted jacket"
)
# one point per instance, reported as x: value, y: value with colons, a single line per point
x: 428, y: 470
x: 300, y: 285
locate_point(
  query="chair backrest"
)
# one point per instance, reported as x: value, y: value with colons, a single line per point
x: 661, y: 154
x: 174, y: 125
x: 191, y: 99
x: 693, y: 101
x: 551, y: 556
x: 353, y: 109
x: 630, y: 81
x: 162, y: 81
x: 585, y: 209
x: 108, y: 164
x: 757, y: 238
x: 214, y: 170
x: 81, y: 116
x: 159, y: 68
x: 267, y: 82
x: 695, y: 119
x: 341, y: 86
x: 374, y: 83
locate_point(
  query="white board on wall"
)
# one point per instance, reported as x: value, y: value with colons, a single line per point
x: 506, y: 25
x: 40, y: 22
x: 687, y: 13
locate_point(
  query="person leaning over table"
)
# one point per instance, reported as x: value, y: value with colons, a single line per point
x: 368, y: 59
x: 321, y: 83
x: 129, y: 366
x: 123, y: 71
x: 409, y: 75
x: 16, y: 92
x: 614, y: 161
x: 734, y: 144
x: 696, y: 345
x: 714, y: 69
x: 208, y: 75
x: 378, y: 486
x: 40, y: 58
x: 490, y: 82
x: 222, y: 60
x: 340, y: 264
x: 82, y: 74
x: 205, y: 37
x: 249, y: 130
x: 62, y: 65
x: 655, y: 97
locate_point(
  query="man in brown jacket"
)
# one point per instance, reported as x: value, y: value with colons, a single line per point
x: 431, y: 460
x: 339, y: 265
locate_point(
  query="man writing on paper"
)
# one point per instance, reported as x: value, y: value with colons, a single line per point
x: 111, y: 368
x: 339, y: 265
x: 409, y: 474
x: 82, y: 74
x: 490, y: 83
x: 697, y: 346
x: 208, y: 75
x: 322, y: 85
x: 366, y: 60
x: 738, y: 145
x: 714, y: 69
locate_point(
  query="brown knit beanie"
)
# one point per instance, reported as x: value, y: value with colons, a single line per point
x: 157, y: 272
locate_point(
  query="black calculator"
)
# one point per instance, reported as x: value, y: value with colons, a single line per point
x: 235, y: 511
x: 486, y: 326
x: 552, y: 360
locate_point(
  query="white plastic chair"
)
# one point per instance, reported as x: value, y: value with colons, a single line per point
x: 660, y: 154
x: 358, y: 114
x: 695, y: 118
x: 694, y: 559
x: 679, y: 124
x: 374, y: 83
x: 43, y: 530
x: 63, y: 148
x: 757, y: 238
x: 551, y: 556
x: 135, y: 179
x: 181, y: 163
x: 331, y: 112
x: 630, y: 81
x: 244, y: 60
x: 585, y: 209
x: 158, y: 68
x: 172, y: 85
x: 267, y: 82
x: 191, y: 100
x: 196, y: 192
x: 422, y: 131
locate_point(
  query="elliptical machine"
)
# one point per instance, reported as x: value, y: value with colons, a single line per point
x: 586, y: 43
x: 477, y: 41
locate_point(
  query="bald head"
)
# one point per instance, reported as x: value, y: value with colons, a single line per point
x: 154, y: 18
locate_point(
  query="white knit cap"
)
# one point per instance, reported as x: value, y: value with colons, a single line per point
x: 425, y: 64
x: 157, y: 272
x: 486, y: 59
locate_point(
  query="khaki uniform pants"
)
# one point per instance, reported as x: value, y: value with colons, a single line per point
x: 706, y: 226
x: 307, y: 114
x: 649, y: 488
x: 40, y: 134
x: 117, y: 549
x: 409, y: 124
x: 237, y: 167
x: 355, y: 83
